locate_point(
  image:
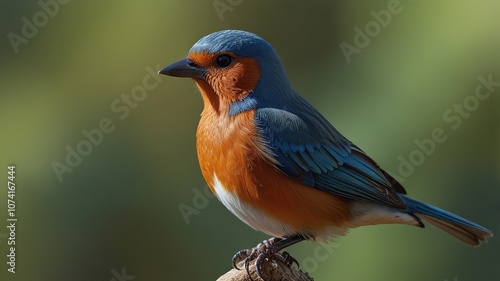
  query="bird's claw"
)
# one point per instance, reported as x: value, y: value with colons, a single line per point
x: 263, y: 252
x: 240, y: 256
x: 287, y: 259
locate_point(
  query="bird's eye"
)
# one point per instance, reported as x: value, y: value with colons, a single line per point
x: 223, y: 60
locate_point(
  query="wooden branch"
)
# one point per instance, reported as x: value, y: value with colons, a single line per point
x: 271, y: 271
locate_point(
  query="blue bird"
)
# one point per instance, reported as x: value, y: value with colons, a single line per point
x: 277, y: 164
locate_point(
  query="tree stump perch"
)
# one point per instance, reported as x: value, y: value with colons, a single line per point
x: 271, y: 270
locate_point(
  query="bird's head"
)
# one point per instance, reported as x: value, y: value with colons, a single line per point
x: 234, y: 70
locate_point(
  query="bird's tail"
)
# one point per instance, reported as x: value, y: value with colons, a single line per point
x: 465, y: 230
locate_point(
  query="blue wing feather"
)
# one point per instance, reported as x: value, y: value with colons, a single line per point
x: 310, y: 150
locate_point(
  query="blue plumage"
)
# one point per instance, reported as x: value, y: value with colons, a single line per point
x: 309, y: 155
x: 309, y: 150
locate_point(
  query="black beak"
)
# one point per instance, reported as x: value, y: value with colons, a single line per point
x: 184, y: 68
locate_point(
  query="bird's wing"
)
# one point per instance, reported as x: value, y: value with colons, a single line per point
x: 310, y: 150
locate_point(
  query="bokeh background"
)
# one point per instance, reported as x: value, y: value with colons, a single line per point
x: 119, y: 210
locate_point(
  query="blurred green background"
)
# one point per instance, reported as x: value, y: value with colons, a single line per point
x: 118, y: 210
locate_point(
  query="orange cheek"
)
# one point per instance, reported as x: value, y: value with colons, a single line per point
x: 231, y: 83
x: 237, y: 81
x: 244, y: 75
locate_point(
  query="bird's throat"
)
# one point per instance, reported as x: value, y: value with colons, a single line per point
x: 211, y: 100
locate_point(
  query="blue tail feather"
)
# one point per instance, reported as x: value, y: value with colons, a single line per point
x: 463, y: 229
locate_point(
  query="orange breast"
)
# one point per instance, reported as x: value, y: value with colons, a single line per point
x: 230, y: 148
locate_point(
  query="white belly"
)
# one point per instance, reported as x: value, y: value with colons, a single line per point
x: 249, y: 215
x: 264, y: 223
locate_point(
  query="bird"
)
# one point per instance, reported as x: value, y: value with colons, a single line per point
x: 279, y: 165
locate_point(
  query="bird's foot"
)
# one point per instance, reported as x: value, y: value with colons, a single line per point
x: 267, y: 251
